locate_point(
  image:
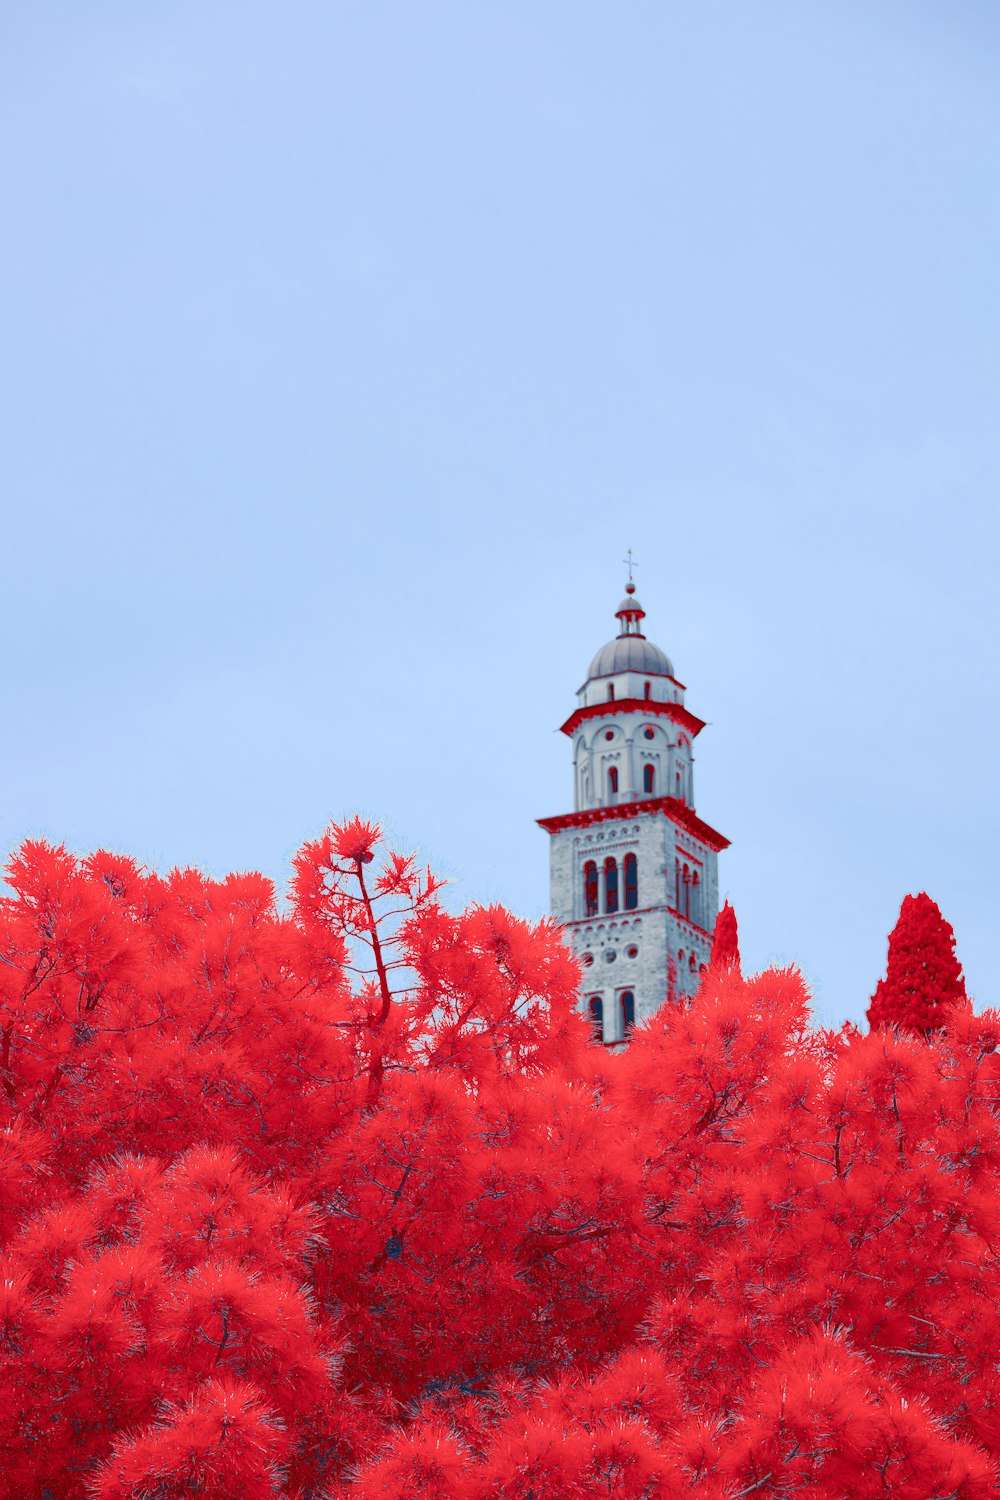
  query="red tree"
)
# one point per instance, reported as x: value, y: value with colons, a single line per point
x: 923, y: 985
x: 725, y: 941
x: 339, y: 1201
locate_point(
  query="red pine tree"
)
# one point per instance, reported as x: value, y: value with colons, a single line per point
x: 725, y: 941
x: 338, y: 1200
x: 923, y: 985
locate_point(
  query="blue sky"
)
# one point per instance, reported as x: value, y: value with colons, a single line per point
x: 346, y: 348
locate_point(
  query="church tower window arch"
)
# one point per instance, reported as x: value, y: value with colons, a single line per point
x: 590, y: 888
x: 631, y: 882
x: 626, y: 1002
x: 610, y: 884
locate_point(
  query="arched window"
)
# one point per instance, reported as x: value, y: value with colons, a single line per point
x: 613, y: 780
x: 677, y: 885
x: 610, y: 884
x: 631, y: 883
x: 686, y: 894
x: 627, y: 1000
x: 648, y: 777
x: 611, y: 692
x: 596, y: 1007
x: 696, y: 898
x: 649, y: 690
x: 590, y: 888
x: 679, y: 794
x: 691, y: 963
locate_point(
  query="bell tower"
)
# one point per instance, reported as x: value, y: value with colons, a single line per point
x: 634, y: 870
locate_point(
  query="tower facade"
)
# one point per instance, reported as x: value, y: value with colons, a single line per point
x: 634, y: 870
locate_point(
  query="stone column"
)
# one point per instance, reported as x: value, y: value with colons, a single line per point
x: 630, y: 787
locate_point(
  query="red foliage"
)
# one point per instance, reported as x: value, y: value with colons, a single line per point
x: 923, y: 985
x: 339, y: 1201
x: 725, y: 941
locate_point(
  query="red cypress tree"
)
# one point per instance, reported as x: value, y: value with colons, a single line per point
x: 726, y: 941
x: 923, y: 984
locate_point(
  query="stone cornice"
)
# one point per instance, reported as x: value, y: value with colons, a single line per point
x: 671, y: 807
x: 674, y: 711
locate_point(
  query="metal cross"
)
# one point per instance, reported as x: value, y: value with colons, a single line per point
x: 630, y: 563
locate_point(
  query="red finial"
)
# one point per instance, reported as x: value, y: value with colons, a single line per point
x: 630, y: 611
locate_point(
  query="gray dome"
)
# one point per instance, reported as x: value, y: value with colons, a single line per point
x: 630, y: 653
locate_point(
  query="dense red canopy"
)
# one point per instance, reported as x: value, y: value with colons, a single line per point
x: 339, y: 1200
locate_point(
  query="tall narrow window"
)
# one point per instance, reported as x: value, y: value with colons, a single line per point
x: 610, y: 884
x: 631, y: 883
x: 596, y: 1007
x: 686, y: 893
x: 678, y: 793
x: 649, y: 690
x: 648, y: 777
x: 590, y: 888
x: 628, y: 1012
x: 696, y: 898
x: 677, y: 885
x: 613, y: 780
x: 611, y: 691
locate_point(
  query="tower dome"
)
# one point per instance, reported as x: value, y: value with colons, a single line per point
x: 630, y: 651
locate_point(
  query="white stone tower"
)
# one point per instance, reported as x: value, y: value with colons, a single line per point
x: 634, y: 871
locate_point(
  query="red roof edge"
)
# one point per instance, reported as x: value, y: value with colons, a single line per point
x: 675, y: 711
x: 672, y: 807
